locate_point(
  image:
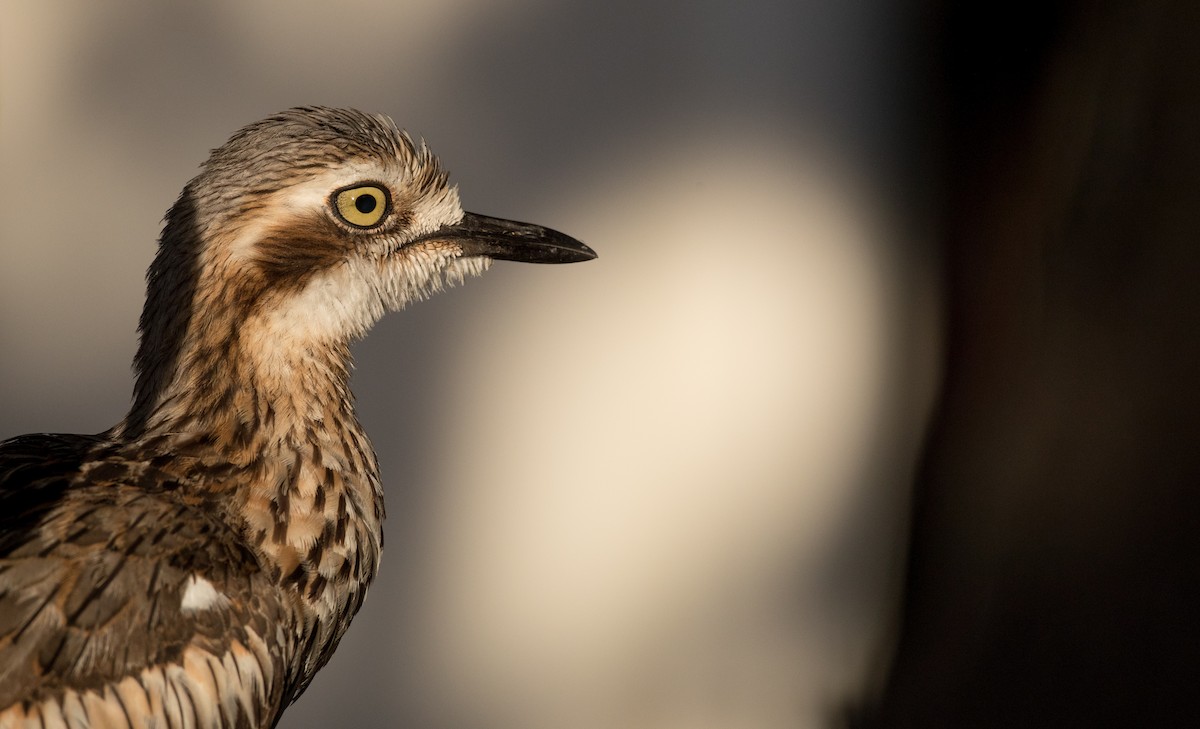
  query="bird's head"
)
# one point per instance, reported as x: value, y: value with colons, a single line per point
x: 302, y: 230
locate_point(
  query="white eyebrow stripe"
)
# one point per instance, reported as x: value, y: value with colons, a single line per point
x: 199, y: 594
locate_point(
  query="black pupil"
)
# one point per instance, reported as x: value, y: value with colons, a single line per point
x: 365, y: 203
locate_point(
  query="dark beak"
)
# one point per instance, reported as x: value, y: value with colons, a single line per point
x: 508, y: 240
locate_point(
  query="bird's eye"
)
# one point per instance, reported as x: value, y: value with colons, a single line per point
x: 362, y: 206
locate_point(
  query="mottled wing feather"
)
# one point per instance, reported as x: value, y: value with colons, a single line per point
x: 93, y: 574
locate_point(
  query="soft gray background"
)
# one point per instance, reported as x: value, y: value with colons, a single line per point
x: 661, y: 489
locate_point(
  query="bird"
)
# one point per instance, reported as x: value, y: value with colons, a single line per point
x: 196, y: 564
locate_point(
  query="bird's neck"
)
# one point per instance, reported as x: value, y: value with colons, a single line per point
x: 268, y: 428
x: 240, y: 394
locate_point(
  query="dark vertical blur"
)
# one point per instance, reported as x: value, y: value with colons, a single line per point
x: 1053, y: 570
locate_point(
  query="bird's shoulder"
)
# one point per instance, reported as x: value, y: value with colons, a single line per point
x: 116, y: 582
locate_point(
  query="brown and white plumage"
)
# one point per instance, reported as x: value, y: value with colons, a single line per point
x: 195, y: 565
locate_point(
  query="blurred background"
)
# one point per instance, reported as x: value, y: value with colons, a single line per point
x: 845, y: 248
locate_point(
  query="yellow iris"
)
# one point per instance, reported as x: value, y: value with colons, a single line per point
x: 362, y: 206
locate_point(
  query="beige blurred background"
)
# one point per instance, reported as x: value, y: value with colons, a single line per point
x: 661, y: 489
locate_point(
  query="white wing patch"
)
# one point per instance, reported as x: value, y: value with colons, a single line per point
x: 199, y: 594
